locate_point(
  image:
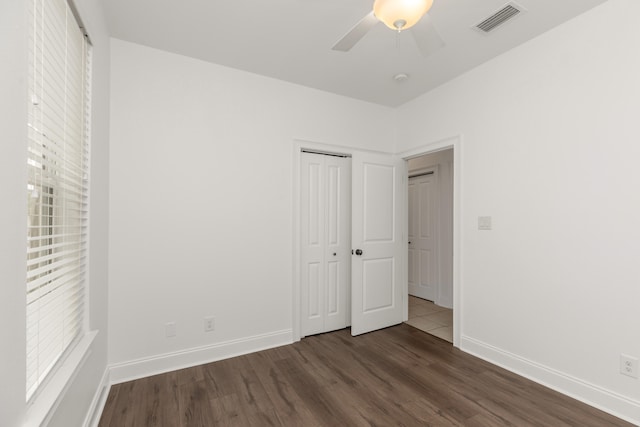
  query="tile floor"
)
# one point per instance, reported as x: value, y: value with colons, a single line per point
x: 431, y: 318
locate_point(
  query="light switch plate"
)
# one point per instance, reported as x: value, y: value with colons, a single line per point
x: 209, y: 324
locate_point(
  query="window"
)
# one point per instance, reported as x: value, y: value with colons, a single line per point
x: 57, y: 187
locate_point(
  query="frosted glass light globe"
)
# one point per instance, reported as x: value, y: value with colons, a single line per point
x: 401, y: 14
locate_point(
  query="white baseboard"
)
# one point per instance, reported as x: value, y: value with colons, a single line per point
x: 445, y: 302
x: 598, y: 397
x: 98, y: 402
x: 145, y: 367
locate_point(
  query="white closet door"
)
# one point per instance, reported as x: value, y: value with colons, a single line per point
x: 325, y: 243
x: 338, y: 250
x: 423, y: 236
x: 413, y: 277
x: 312, y: 177
x: 377, y: 222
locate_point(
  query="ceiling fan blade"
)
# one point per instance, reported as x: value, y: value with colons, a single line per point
x: 427, y: 37
x: 356, y: 33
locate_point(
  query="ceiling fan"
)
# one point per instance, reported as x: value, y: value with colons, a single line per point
x: 399, y: 15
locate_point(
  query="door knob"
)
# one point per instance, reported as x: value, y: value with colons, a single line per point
x: 358, y: 252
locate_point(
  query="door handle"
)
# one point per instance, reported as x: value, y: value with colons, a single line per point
x: 358, y: 252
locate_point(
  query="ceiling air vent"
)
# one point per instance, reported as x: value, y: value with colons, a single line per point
x: 511, y: 10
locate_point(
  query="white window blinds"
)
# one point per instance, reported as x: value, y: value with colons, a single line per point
x: 57, y: 186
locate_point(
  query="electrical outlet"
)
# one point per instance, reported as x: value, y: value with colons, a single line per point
x: 209, y: 324
x: 170, y: 329
x: 629, y: 366
x: 484, y: 223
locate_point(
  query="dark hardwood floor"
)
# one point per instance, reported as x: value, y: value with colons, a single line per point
x: 398, y: 376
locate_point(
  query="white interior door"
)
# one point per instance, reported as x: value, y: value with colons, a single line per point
x: 377, y: 241
x: 325, y: 253
x: 423, y: 274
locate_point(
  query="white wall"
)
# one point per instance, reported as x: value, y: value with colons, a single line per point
x: 201, y: 202
x: 550, y: 150
x: 74, y: 405
x: 13, y: 215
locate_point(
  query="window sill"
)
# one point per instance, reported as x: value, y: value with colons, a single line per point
x: 44, y: 404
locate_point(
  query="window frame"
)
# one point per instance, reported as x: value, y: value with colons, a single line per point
x: 53, y: 378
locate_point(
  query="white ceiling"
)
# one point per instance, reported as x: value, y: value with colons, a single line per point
x: 291, y: 40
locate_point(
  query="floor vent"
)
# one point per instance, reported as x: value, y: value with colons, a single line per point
x: 500, y: 17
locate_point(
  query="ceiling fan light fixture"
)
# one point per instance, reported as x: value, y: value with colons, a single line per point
x: 400, y: 14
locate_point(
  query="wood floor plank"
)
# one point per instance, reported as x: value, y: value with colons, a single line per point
x: 195, y: 409
x: 374, y: 383
x: 162, y: 399
x: 398, y: 376
x: 286, y: 402
x: 367, y: 389
x: 425, y: 383
x: 109, y: 406
x: 254, y: 399
x: 314, y: 393
x: 138, y: 403
x: 227, y: 411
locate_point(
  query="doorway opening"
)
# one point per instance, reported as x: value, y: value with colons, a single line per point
x: 430, y: 243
